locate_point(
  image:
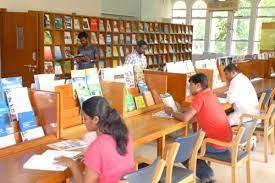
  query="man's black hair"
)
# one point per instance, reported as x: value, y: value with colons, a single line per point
x: 199, y: 78
x: 231, y: 68
x: 140, y: 43
x: 82, y: 35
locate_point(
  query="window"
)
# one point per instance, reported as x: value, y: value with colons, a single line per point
x: 199, y: 11
x: 241, y: 26
x: 265, y: 13
x: 179, y: 12
x: 219, y: 27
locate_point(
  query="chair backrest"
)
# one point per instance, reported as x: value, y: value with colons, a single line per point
x: 149, y: 174
x: 269, y: 95
x: 249, y: 128
x: 171, y: 152
x: 268, y: 115
x: 261, y: 100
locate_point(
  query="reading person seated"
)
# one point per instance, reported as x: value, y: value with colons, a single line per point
x: 87, y: 54
x: 110, y: 156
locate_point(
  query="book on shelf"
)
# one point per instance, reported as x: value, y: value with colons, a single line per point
x: 57, y: 53
x: 150, y: 60
x: 127, y: 51
x: 155, y: 60
x: 139, y: 102
x: 139, y: 76
x: 128, y: 27
x: 148, y: 98
x: 121, y: 39
x: 140, y: 27
x: 115, y: 40
x: 94, y: 24
x: 121, y: 26
x: 115, y: 26
x: 86, y: 24
x: 57, y: 68
x: 146, y: 38
x: 101, y: 25
x: 94, y: 38
x: 6, y: 123
x: 156, y: 39
x: 93, y: 82
x: 67, y: 22
x: 101, y: 64
x: 146, y: 27
x: 134, y: 39
x: 168, y: 101
x: 121, y: 52
x: 108, y: 26
x: 67, y: 67
x: 129, y: 103
x: 156, y: 27
x: 80, y: 85
x: 151, y: 39
x: 129, y: 76
x: 142, y: 86
x: 28, y: 126
x: 8, y: 83
x: 151, y: 27
x: 134, y: 27
x: 101, y: 53
x: 115, y: 51
x: 68, y: 52
x: 58, y: 22
x: 108, y: 39
x: 115, y: 63
x: 48, y: 37
x: 156, y: 50
x: 48, y: 67
x: 128, y: 40
x: 76, y: 24
x: 121, y: 61
x: 166, y: 28
x: 48, y: 53
x: 109, y: 52
x: 67, y: 37
x: 44, y: 82
x: 47, y: 21
x: 101, y: 39
x: 76, y: 40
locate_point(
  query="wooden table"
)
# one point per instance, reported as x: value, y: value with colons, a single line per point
x: 143, y: 128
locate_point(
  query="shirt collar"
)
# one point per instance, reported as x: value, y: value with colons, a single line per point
x: 203, y: 91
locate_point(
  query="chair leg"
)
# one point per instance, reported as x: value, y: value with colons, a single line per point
x: 234, y: 173
x: 248, y: 171
x: 272, y: 139
x: 265, y: 147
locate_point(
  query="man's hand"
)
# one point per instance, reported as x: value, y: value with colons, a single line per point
x: 178, y: 107
x: 168, y: 110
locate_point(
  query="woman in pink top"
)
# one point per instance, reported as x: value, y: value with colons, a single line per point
x: 110, y: 156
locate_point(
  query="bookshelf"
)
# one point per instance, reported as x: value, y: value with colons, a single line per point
x: 114, y: 38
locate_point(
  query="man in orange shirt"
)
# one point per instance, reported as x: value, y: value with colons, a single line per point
x: 210, y: 116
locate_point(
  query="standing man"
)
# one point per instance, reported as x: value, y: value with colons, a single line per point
x: 211, y: 119
x: 241, y: 94
x: 137, y: 57
x: 87, y: 54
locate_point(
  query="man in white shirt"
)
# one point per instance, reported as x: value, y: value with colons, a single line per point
x: 137, y: 56
x: 241, y: 94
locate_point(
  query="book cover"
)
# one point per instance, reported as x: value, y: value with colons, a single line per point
x: 128, y: 40
x: 108, y: 39
x: 115, y: 26
x: 157, y: 27
x: 139, y: 102
x: 142, y: 86
x: 67, y: 67
x: 68, y: 22
x: 115, y: 63
x: 115, y: 40
x: 57, y: 68
x: 48, y: 67
x: 151, y: 27
x: 156, y: 39
x: 155, y: 60
x: 121, y: 39
x: 148, y: 98
x: 134, y: 27
x: 129, y: 103
x: 155, y: 49
x: 76, y: 24
x: 115, y: 51
x: 6, y: 123
x: 121, y: 52
x: 128, y: 27
x: 58, y: 22
x: 44, y: 82
x: 8, y: 83
x: 166, y: 28
x: 121, y: 26
x: 134, y: 40
x: 32, y: 134
x: 139, y: 76
x: 168, y: 100
x: 67, y: 37
x: 57, y: 53
x: 156, y: 97
x: 86, y: 24
x: 26, y: 121
x: 108, y: 26
x: 101, y: 39
x: 146, y: 27
x: 150, y: 60
x: 140, y: 27
x: 48, y: 53
x: 129, y: 76
x: 94, y: 38
x: 76, y: 40
x: 48, y: 37
x: 94, y: 24
x: 101, y: 53
x: 146, y: 38
x: 92, y: 80
x: 151, y: 41
x: 109, y: 52
x: 68, y: 52
x: 47, y: 21
x: 7, y: 140
x: 101, y: 25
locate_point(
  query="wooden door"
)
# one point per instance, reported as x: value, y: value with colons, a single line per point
x: 19, y: 45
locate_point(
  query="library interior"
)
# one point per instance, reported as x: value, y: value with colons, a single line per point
x: 137, y: 91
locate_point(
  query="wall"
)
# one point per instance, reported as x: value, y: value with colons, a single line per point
x: 81, y: 7
x: 156, y: 9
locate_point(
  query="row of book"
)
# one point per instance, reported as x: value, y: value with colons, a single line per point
x: 57, y: 37
x: 60, y: 53
x: 13, y: 111
x: 102, y: 25
x: 57, y: 67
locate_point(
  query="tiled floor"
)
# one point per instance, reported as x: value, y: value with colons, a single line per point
x: 260, y: 172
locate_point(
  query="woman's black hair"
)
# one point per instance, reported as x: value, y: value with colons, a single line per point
x: 110, y: 121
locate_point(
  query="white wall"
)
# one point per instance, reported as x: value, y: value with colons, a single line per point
x: 81, y: 7
x: 156, y: 9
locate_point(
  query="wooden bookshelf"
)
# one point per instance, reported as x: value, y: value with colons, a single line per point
x: 43, y: 103
x: 166, y: 42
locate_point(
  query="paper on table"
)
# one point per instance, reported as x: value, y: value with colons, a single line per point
x: 222, y: 100
x: 161, y: 114
x: 68, y: 145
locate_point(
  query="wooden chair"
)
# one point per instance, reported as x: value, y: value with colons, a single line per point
x: 268, y: 97
x: 233, y: 157
x: 265, y: 128
x: 149, y: 174
x: 187, y: 150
